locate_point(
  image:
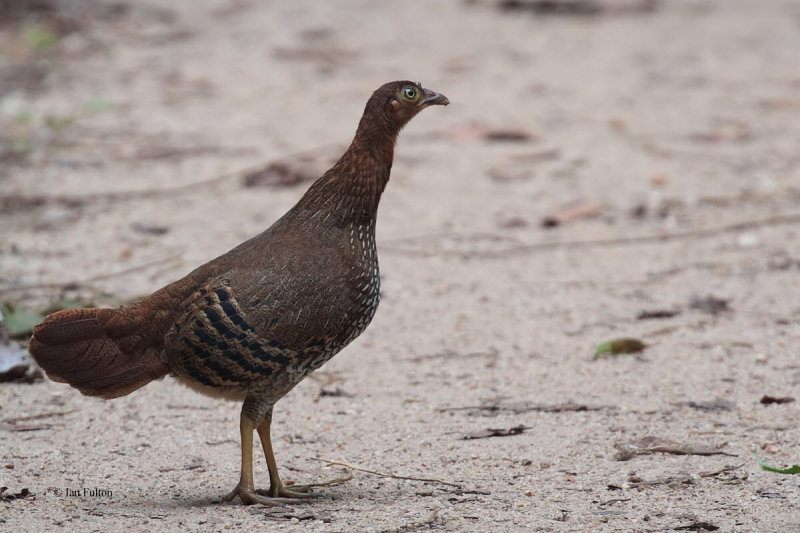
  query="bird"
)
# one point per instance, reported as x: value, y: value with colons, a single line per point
x: 249, y: 325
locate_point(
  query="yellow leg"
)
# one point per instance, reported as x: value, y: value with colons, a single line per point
x: 276, y: 488
x: 245, y: 489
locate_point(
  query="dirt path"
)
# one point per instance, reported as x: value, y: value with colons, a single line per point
x: 682, y: 121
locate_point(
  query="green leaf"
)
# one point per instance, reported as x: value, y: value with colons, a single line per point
x: 18, y: 321
x: 619, y: 346
x: 794, y: 469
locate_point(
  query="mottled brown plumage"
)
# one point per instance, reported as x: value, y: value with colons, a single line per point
x: 252, y: 323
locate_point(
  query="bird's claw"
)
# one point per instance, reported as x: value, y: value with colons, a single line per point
x: 249, y: 496
x: 296, y: 492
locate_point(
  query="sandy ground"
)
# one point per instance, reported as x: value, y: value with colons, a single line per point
x: 681, y: 122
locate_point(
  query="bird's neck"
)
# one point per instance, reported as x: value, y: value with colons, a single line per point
x: 349, y: 193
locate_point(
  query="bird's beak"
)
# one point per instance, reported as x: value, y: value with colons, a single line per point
x: 432, y: 98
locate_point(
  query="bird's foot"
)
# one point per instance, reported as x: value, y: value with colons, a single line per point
x: 249, y: 496
x: 296, y: 492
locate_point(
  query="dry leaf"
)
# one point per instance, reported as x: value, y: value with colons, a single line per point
x: 766, y: 399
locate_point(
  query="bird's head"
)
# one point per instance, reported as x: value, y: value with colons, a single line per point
x: 397, y: 102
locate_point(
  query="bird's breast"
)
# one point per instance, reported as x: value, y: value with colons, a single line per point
x: 341, y: 311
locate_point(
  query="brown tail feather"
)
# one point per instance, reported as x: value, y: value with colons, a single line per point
x: 101, y: 352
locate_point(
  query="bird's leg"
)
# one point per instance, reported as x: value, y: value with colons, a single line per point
x: 245, y: 489
x: 276, y: 488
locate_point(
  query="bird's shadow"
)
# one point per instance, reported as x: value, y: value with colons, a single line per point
x: 218, y: 500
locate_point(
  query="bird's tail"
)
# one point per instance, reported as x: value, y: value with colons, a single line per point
x: 100, y: 352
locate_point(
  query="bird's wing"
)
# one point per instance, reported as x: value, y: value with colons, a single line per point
x: 214, y: 342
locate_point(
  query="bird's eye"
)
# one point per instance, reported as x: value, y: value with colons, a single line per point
x: 410, y: 93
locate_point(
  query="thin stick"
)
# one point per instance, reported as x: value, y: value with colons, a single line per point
x: 384, y: 474
x: 71, y: 284
x: 617, y: 241
x: 112, y: 196
x: 11, y: 201
x: 39, y: 416
x: 329, y: 483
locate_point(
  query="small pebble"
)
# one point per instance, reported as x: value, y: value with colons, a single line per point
x: 749, y: 240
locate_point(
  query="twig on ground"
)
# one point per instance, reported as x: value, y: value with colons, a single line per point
x: 523, y: 407
x: 673, y: 481
x: 497, y: 432
x: 386, y: 474
x: 334, y: 481
x: 613, y: 500
x: 39, y: 416
x: 448, y: 354
x: 428, y: 523
x: 9, y: 202
x: 433, y: 520
x: 520, y: 249
x: 24, y: 427
x: 650, y: 445
x: 723, y: 470
x: 67, y: 285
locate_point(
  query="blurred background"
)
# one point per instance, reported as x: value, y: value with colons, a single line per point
x: 607, y: 169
